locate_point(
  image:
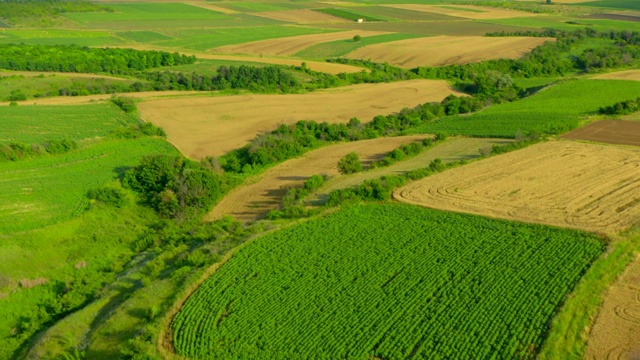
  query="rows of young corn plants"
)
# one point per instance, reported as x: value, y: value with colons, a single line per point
x: 390, y: 281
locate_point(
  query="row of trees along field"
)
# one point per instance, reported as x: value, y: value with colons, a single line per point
x: 82, y: 59
x: 622, y: 49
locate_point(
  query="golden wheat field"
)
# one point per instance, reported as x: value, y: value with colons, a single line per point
x: 445, y: 50
x: 292, y: 44
x: 212, y: 126
x: 620, y: 75
x: 563, y: 183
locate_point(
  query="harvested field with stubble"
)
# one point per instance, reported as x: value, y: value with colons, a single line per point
x: 445, y: 50
x: 620, y: 75
x: 562, y: 183
x: 616, y: 333
x: 265, y: 192
x: 292, y: 44
x: 465, y: 11
x: 212, y: 126
x: 608, y: 131
x: 301, y: 16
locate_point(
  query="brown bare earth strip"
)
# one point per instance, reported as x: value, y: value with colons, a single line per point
x: 620, y: 75
x: 212, y: 126
x: 303, y: 16
x: 445, y: 50
x: 608, y: 131
x: 265, y: 192
x: 90, y: 99
x: 616, y: 333
x: 292, y: 44
x: 471, y: 12
x: 563, y: 183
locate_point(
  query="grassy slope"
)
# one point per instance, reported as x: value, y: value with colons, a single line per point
x: 49, y: 86
x: 556, y: 109
x: 37, y: 124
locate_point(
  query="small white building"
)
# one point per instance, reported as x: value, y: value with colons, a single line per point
x: 360, y: 20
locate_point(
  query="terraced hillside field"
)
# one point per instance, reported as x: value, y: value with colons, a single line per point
x: 435, y: 285
x: 444, y: 50
x: 562, y: 183
x: 212, y: 126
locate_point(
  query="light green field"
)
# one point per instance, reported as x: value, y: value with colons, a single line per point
x: 343, y: 47
x: 59, y: 37
x: 144, y: 36
x: 147, y: 11
x: 37, y: 124
x: 568, y: 23
x: 242, y: 6
x: 43, y: 191
x: 557, y: 109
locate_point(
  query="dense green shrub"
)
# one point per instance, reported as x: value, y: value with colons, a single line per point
x: 125, y: 103
x: 350, y: 164
x: 109, y: 195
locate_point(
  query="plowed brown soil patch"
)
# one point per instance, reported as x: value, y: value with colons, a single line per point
x: 620, y: 75
x: 466, y: 11
x: 608, y: 131
x: 616, y: 333
x: 303, y: 16
x: 563, y: 183
x: 265, y: 192
x: 292, y: 44
x: 444, y: 50
x: 212, y: 126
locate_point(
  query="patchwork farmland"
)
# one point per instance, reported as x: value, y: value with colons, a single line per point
x: 374, y: 179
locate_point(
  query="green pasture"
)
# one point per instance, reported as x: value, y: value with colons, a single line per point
x: 49, y: 85
x: 351, y: 286
x: 147, y: 11
x: 556, y: 109
x: 39, y: 123
x: 46, y: 190
x: 61, y: 37
x: 242, y: 6
x: 567, y: 23
x: 343, y: 47
x: 144, y: 36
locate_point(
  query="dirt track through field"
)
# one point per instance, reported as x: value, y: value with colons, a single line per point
x: 563, y: 183
x: 292, y: 44
x: 620, y: 75
x: 445, y: 50
x: 265, y: 192
x: 608, y: 131
x: 616, y: 333
x: 450, y: 151
x: 302, y: 16
x: 212, y: 126
x: 466, y: 11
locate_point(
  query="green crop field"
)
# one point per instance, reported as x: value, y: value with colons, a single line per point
x: 433, y: 285
x: 59, y: 37
x: 432, y: 28
x: 263, y: 6
x: 619, y: 4
x: 147, y: 11
x: 556, y: 109
x: 343, y: 47
x: 385, y: 12
x: 37, y: 124
x: 567, y: 23
x: 352, y: 15
x: 43, y: 191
